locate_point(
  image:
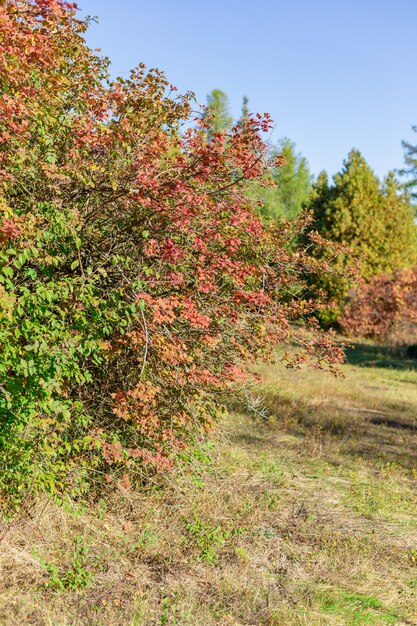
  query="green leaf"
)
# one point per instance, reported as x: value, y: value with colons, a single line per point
x: 8, y: 271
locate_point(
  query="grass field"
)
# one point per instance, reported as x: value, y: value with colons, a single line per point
x: 308, y: 516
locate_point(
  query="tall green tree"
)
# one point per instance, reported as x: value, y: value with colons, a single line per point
x: 410, y: 169
x: 245, y: 108
x: 375, y: 221
x: 398, y: 244
x: 293, y: 184
x: 217, y: 113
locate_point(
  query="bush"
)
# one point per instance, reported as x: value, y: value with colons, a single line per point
x: 385, y: 307
x: 136, y: 281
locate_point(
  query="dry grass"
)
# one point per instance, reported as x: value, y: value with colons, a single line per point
x: 308, y: 518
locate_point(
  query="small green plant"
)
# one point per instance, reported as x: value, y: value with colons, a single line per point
x: 196, y: 461
x: 270, y: 500
x: 167, y: 616
x: 77, y: 574
x: 209, y: 539
x: 270, y: 469
x: 242, y: 554
x: 412, y: 556
x: 147, y: 538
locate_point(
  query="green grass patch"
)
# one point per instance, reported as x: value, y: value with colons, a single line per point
x: 356, y: 609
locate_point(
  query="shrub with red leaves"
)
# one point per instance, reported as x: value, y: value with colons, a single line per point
x: 137, y: 282
x: 383, y: 305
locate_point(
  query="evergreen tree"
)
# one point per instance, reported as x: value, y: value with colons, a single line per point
x: 374, y: 221
x: 217, y: 114
x: 293, y: 184
x: 400, y: 241
x: 410, y: 169
x: 245, y: 108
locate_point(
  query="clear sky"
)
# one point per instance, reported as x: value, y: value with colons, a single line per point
x: 333, y: 74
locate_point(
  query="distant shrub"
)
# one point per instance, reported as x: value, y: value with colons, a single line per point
x: 136, y: 281
x: 385, y: 307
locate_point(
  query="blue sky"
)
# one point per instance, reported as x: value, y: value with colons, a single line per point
x: 332, y: 74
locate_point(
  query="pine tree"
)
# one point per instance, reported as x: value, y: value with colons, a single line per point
x: 399, y: 243
x: 293, y: 184
x: 217, y: 114
x: 245, y: 108
x: 410, y: 169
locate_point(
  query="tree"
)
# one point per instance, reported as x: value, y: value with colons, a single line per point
x: 374, y: 222
x: 217, y: 115
x: 399, y: 241
x: 245, y: 109
x: 136, y: 280
x: 293, y: 180
x: 410, y: 169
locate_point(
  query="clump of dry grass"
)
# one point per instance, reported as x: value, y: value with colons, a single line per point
x: 307, y: 517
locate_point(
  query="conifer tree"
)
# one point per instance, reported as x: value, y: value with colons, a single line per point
x: 217, y: 113
x: 399, y: 242
x: 293, y: 184
x: 410, y: 169
x: 245, y: 107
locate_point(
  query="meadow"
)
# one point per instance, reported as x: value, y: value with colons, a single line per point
x: 299, y: 509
